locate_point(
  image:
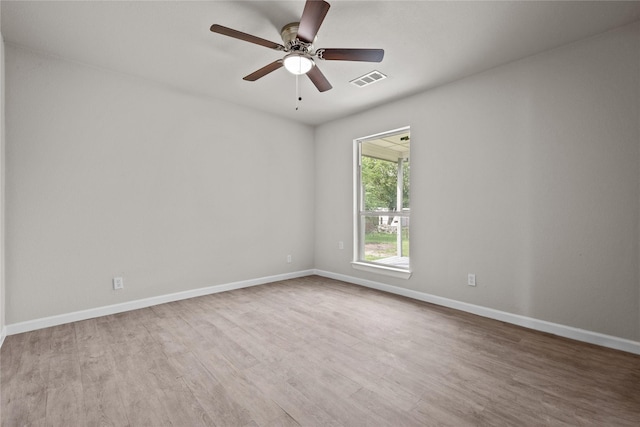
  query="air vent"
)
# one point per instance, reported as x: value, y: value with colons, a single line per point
x: 367, y: 79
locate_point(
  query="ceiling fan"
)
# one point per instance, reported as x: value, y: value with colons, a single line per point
x: 298, y: 39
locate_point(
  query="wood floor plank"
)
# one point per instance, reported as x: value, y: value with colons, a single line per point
x: 209, y: 393
x: 102, y: 398
x: 65, y: 405
x: 310, y: 351
x: 25, y: 390
x: 142, y: 400
x: 272, y: 379
x: 262, y: 409
x: 103, y: 403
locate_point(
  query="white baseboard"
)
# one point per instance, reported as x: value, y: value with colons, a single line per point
x: 46, y: 322
x: 3, y: 335
x: 516, y: 319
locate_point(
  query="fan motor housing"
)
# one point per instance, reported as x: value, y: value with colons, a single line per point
x: 289, y: 34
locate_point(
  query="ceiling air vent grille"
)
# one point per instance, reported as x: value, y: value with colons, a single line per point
x: 367, y: 79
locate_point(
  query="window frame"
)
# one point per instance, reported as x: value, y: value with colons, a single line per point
x: 359, y: 262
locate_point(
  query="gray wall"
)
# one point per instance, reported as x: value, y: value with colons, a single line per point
x: 526, y: 175
x: 111, y: 175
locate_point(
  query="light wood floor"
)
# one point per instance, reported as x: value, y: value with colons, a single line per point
x: 310, y: 351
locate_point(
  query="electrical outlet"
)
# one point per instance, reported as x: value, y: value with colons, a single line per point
x: 340, y: 245
x: 118, y: 283
x: 289, y: 259
x: 471, y: 279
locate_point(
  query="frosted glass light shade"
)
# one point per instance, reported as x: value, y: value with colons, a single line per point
x: 297, y: 63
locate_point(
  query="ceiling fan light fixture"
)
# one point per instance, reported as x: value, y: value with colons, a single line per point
x: 298, y: 63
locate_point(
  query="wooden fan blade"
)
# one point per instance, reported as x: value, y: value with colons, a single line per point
x: 367, y: 55
x: 246, y: 37
x: 318, y: 79
x: 312, y: 17
x: 263, y: 71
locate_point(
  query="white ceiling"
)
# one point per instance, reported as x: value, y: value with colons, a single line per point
x: 426, y: 43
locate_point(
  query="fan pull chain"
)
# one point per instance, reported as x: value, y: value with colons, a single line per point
x: 298, y: 97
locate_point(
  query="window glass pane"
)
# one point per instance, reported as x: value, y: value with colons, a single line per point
x: 381, y: 242
x: 379, y: 182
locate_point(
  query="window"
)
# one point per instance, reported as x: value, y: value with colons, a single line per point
x: 382, y: 212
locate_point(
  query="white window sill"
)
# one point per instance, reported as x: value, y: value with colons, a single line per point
x: 400, y: 273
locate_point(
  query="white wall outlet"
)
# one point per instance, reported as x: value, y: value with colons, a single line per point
x: 471, y: 279
x: 289, y: 259
x: 118, y: 283
x: 340, y: 245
